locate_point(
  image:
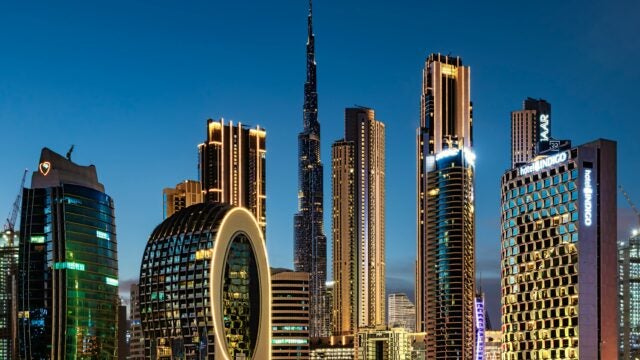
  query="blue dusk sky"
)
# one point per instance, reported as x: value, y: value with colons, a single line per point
x: 132, y: 83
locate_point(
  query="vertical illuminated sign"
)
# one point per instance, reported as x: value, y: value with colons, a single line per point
x: 587, y: 190
x: 544, y: 127
x: 480, y: 328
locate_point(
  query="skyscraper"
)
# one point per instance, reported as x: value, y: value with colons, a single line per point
x: 68, y: 264
x: 205, y: 286
x: 9, y: 241
x: 445, y: 274
x: 559, y: 256
x: 358, y: 189
x: 185, y: 194
x: 402, y: 312
x: 233, y: 167
x: 629, y: 282
x: 289, y: 314
x: 136, y: 347
x: 123, y: 331
x: 530, y: 130
x: 310, y: 243
x: 328, y: 305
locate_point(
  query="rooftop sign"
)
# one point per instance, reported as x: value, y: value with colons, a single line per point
x: 543, y: 163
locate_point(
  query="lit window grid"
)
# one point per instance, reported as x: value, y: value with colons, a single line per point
x: 539, y: 282
x: 79, y: 221
x: 629, y: 275
x: 290, y: 315
x: 449, y: 258
x: 8, y: 267
x: 172, y: 284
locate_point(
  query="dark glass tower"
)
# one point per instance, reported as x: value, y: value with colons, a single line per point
x: 310, y: 243
x: 68, y: 264
x: 559, y: 256
x: 445, y: 278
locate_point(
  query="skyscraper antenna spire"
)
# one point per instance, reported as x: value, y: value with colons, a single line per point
x: 310, y: 242
x: 310, y: 21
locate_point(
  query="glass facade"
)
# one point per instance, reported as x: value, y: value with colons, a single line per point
x: 238, y: 295
x: 176, y: 287
x: 629, y: 275
x: 8, y: 266
x: 449, y: 257
x: 559, y: 256
x: 68, y: 288
x: 445, y: 274
x: 540, y: 264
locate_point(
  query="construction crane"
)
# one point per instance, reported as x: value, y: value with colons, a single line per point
x: 633, y: 207
x: 13, y: 216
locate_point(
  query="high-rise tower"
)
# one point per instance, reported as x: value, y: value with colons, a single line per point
x: 629, y: 289
x: 9, y: 241
x: 402, y: 312
x: 445, y: 276
x: 233, y: 167
x: 358, y: 228
x: 530, y: 130
x: 310, y: 243
x: 185, y: 194
x: 68, y: 264
x: 559, y: 256
x: 289, y: 314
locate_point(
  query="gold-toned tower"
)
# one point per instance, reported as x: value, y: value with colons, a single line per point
x: 185, y: 194
x: 358, y: 227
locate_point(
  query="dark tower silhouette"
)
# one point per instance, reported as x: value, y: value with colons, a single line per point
x: 310, y: 243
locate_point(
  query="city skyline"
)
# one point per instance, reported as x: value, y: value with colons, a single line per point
x: 70, y: 99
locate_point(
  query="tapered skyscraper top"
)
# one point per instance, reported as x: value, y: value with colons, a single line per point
x: 311, y: 124
x: 310, y: 243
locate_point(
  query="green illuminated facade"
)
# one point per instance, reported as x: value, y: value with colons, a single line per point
x: 68, y: 269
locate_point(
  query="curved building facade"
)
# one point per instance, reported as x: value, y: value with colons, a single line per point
x: 68, y: 264
x: 449, y: 257
x: 205, y: 286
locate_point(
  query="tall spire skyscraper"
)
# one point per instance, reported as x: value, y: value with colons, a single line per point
x: 310, y: 243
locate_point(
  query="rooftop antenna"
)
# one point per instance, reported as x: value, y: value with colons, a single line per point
x: 69, y: 153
